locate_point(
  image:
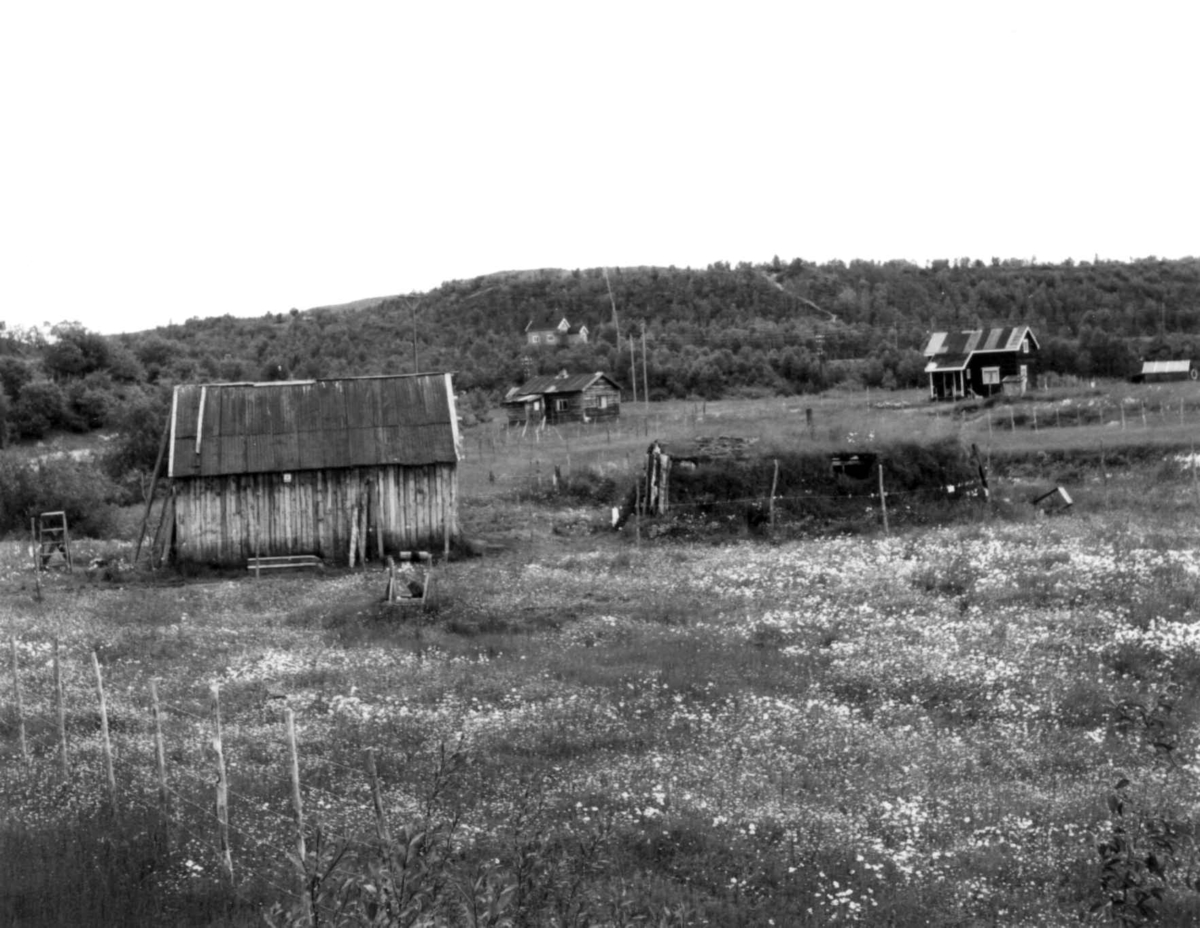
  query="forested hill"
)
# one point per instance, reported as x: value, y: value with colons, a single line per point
x: 711, y: 331
x: 722, y: 330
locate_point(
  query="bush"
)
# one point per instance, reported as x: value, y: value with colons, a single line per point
x: 140, y: 421
x: 40, y: 408
x: 87, y: 406
x: 77, y: 488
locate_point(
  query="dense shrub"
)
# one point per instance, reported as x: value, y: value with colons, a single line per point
x: 140, y: 422
x: 78, y: 488
x: 40, y: 408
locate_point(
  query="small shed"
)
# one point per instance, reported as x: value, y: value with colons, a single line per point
x: 563, y: 397
x: 314, y: 467
x: 1161, y: 371
x: 981, y: 362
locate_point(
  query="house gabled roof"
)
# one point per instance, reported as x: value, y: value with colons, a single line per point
x: 952, y: 351
x: 968, y: 342
x: 558, y: 383
x: 245, y: 428
x: 549, y: 325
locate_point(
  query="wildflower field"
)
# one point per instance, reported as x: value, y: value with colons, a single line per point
x: 992, y: 722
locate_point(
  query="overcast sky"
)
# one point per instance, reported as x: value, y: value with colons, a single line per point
x: 167, y: 160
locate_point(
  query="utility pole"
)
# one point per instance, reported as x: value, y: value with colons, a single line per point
x: 632, y: 367
x: 412, y: 308
x: 645, y: 375
x: 616, y: 322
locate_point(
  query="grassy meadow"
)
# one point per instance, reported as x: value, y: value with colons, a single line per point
x: 985, y: 717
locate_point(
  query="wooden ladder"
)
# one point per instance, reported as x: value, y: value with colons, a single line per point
x: 53, y: 536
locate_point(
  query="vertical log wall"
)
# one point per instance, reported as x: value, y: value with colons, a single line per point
x: 226, y: 520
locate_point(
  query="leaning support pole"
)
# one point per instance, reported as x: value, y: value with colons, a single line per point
x: 162, y: 448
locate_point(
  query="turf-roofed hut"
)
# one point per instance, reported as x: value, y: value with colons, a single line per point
x: 305, y: 467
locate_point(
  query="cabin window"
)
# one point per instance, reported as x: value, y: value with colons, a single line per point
x: 534, y: 339
x: 287, y: 478
x: 1025, y: 346
x: 604, y: 402
x: 991, y: 375
x: 560, y: 405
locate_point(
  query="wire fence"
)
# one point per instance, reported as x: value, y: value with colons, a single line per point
x: 233, y: 807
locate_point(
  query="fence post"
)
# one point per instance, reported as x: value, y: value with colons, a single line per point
x: 226, y: 856
x: 160, y: 760
x: 381, y: 825
x: 104, y: 739
x: 1195, y: 478
x: 298, y: 807
x: 17, y: 698
x: 37, y: 558
x: 61, y: 705
x: 883, y: 501
x: 771, y: 502
x: 1103, y: 473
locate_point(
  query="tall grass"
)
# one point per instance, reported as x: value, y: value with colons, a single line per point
x: 919, y: 729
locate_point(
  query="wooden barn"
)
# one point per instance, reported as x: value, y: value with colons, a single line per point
x: 981, y: 362
x: 563, y: 397
x: 322, y: 467
x: 1163, y: 371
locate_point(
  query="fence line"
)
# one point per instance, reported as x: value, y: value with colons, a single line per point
x: 175, y: 793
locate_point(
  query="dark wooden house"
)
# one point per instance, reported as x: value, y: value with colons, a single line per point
x: 563, y: 397
x: 981, y: 362
x: 313, y: 468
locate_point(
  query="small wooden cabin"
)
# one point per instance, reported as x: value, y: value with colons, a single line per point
x: 563, y: 397
x: 303, y: 467
x: 981, y: 362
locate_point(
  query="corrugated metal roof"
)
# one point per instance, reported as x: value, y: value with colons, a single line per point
x: 306, y: 425
x: 1166, y: 367
x: 556, y: 383
x: 954, y: 362
x: 1008, y: 338
x: 935, y: 343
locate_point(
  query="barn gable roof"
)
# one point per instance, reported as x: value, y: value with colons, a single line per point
x: 1166, y: 367
x: 241, y: 428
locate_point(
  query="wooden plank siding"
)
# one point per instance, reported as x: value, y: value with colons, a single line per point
x: 280, y: 469
x: 231, y: 518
